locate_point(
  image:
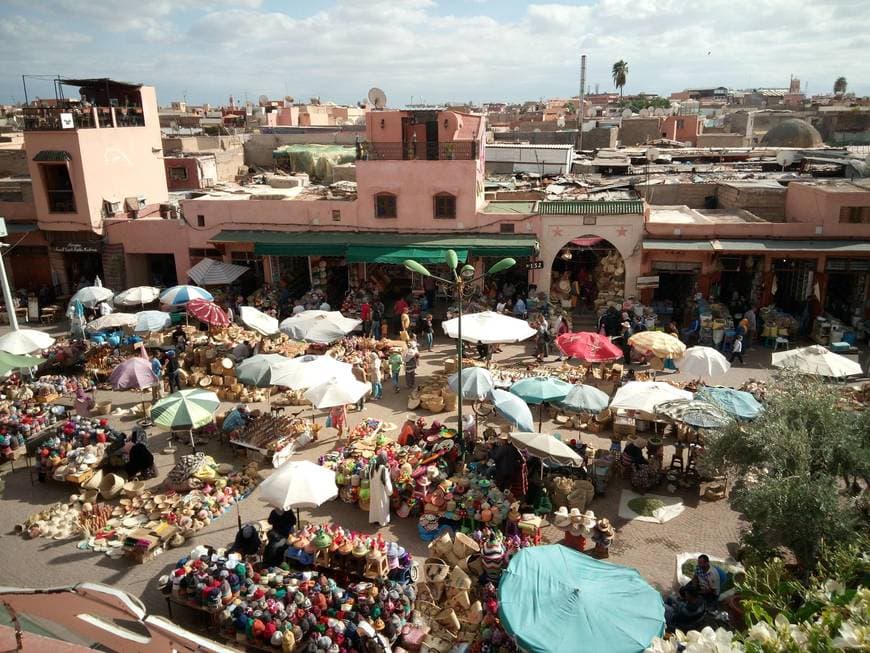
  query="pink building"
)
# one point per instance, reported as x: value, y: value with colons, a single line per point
x: 685, y: 129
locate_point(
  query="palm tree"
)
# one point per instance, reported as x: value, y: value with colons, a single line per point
x: 840, y: 86
x: 619, y: 73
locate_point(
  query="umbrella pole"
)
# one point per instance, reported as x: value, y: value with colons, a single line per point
x: 192, y: 441
x: 540, y: 417
x: 238, y: 513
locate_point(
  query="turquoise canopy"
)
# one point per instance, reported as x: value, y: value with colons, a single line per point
x: 553, y: 599
x: 741, y: 405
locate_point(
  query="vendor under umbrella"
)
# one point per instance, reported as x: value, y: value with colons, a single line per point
x: 140, y: 459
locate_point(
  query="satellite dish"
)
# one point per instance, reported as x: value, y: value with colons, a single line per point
x: 652, y: 154
x: 785, y: 158
x: 626, y: 113
x: 560, y: 121
x: 659, y: 112
x: 377, y: 98
x: 644, y: 113
x: 264, y: 100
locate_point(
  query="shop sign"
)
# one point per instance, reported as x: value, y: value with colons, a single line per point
x: 78, y: 248
x: 535, y: 265
x: 66, y: 121
x: 648, y: 282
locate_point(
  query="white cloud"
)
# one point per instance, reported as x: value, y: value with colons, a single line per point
x: 414, y: 47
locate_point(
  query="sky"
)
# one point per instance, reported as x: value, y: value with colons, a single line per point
x: 432, y: 51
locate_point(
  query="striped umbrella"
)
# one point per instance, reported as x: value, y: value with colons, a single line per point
x: 185, y: 409
x: 180, y: 295
x: 694, y: 412
x: 208, y: 312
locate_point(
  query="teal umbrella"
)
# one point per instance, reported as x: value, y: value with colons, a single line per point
x: 513, y: 409
x: 541, y: 390
x: 741, y: 405
x: 553, y: 599
x: 9, y: 362
x: 476, y: 383
x: 185, y: 410
x: 260, y: 370
x: 585, y: 399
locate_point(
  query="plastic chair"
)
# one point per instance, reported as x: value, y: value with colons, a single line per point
x: 781, y: 340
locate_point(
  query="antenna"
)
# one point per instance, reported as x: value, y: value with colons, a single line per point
x: 580, y: 103
x: 377, y: 98
x: 626, y: 113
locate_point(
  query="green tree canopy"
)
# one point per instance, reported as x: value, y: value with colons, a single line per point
x: 840, y: 85
x: 619, y: 72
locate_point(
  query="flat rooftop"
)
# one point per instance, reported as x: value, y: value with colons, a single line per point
x: 685, y: 215
x: 342, y: 190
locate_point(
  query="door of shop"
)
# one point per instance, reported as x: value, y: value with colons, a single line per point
x: 793, y: 280
x: 678, y: 282
x: 848, y: 288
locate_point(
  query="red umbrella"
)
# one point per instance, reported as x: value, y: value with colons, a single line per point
x: 591, y: 347
x: 207, y: 312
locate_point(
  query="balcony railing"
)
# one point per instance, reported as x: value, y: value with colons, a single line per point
x: 59, y: 118
x: 417, y: 151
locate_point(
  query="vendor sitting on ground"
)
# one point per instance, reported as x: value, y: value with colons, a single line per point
x: 283, y: 522
x: 236, y: 420
x: 633, y: 453
x: 140, y: 461
x: 705, y: 581
x: 247, y: 542
x: 411, y: 431
x: 684, y: 613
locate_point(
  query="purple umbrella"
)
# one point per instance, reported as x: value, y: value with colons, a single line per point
x: 134, y: 373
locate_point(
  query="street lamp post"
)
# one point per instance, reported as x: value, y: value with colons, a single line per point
x: 459, y: 281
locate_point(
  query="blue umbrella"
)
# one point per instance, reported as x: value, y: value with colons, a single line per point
x: 180, y: 295
x: 476, y: 383
x: 553, y: 599
x: 541, y: 390
x: 513, y: 409
x: 152, y: 321
x: 741, y: 405
x: 585, y: 399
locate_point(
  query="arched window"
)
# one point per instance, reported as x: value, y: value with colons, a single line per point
x: 385, y: 205
x: 444, y: 206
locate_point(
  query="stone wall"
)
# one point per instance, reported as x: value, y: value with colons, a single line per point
x: 637, y: 131
x: 722, y: 140
x: 114, y: 273
x: 692, y: 195
x: 766, y: 202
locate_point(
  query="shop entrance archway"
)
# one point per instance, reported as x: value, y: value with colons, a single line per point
x: 587, y: 273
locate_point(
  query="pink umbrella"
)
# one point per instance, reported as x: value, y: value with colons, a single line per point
x: 589, y: 346
x: 133, y: 373
x: 207, y: 312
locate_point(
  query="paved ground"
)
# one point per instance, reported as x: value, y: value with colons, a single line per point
x: 711, y: 527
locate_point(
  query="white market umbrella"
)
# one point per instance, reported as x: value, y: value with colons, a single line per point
x: 138, y: 296
x: 323, y: 327
x: 25, y: 341
x: 336, y: 392
x: 644, y: 396
x: 299, y: 484
x: 477, y: 383
x: 816, y: 360
x: 258, y: 321
x: 148, y: 321
x: 90, y: 296
x: 304, y: 372
x: 489, y: 328
x: 703, y: 363
x: 111, y: 321
x: 547, y: 448
x: 209, y: 272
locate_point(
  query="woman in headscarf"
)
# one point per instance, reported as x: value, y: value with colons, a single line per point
x: 84, y: 403
x: 380, y: 489
x: 141, y: 460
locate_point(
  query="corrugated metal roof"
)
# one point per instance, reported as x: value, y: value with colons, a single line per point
x: 52, y: 155
x: 834, y: 246
x: 678, y: 245
x: 590, y: 207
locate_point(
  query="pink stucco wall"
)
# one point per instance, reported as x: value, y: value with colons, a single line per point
x: 817, y: 204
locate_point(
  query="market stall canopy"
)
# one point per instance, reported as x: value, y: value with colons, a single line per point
x: 703, y: 363
x: 741, y: 405
x: 185, y: 409
x: 304, y: 372
x: 547, y: 448
x: 585, y: 399
x: 299, y: 484
x: 588, y: 346
x: 553, y: 599
x: 323, y: 327
x: 644, y: 396
x: 476, y: 384
x: 489, y: 328
x: 208, y: 312
x: 180, y: 295
x: 258, y: 321
x: 90, y: 296
x: 25, y: 341
x: 336, y: 392
x: 694, y: 412
x: 816, y: 360
x: 147, y: 321
x: 541, y: 389
x: 111, y: 321
x: 209, y: 272
x: 513, y: 409
x: 261, y: 370
x: 375, y: 247
x: 133, y: 373
x: 138, y: 296
x: 9, y: 362
x: 661, y: 344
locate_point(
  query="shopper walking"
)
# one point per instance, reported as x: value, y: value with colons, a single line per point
x: 395, y: 363
x: 427, y: 331
x: 375, y: 375
x: 737, y: 350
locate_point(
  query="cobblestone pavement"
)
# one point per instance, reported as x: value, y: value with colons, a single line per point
x: 651, y: 548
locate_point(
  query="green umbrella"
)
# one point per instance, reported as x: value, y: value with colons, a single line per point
x: 9, y: 362
x: 541, y: 390
x: 259, y: 370
x: 185, y: 410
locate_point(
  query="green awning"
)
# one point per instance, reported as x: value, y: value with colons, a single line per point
x: 381, y: 247
x: 678, y: 245
x: 52, y: 155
